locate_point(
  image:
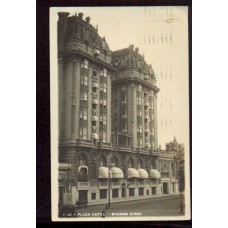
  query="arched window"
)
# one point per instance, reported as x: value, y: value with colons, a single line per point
x: 82, y: 160
x: 103, y: 161
x: 152, y: 164
x: 130, y: 163
x: 115, y: 162
x: 140, y: 164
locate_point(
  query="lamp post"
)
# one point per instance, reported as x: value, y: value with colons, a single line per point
x: 109, y: 184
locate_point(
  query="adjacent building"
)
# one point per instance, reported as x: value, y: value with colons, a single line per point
x: 108, y: 145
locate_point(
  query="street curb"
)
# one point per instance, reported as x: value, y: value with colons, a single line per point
x: 130, y: 200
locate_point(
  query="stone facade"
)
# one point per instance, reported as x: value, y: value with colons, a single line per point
x: 108, y: 118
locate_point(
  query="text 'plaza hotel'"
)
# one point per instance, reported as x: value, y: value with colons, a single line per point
x: 108, y: 121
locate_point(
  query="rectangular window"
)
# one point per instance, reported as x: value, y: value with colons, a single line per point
x: 141, y: 191
x: 139, y: 88
x: 153, y: 190
x: 84, y: 64
x: 104, y: 120
x: 93, y: 196
x: 85, y: 133
x: 104, y: 136
x: 131, y: 192
x: 103, y: 194
x: 115, y: 193
x: 147, y: 192
x: 94, y: 73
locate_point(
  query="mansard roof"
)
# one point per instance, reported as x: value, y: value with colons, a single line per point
x: 130, y: 57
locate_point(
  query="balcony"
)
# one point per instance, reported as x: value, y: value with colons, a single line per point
x: 94, y: 95
x: 95, y: 101
x: 147, y: 117
x: 139, y: 130
x: 146, y: 103
x: 142, y: 150
x: 95, y: 118
x: 147, y: 130
x: 84, y: 142
x: 104, y: 145
x: 83, y: 185
x: 124, y: 130
x: 123, y: 148
x: 103, y: 185
x: 95, y: 85
x: 139, y: 114
x: 94, y: 112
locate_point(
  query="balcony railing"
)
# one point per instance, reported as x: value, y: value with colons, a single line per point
x: 94, y: 95
x: 94, y: 112
x: 83, y: 185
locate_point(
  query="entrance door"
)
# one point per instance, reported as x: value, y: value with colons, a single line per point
x: 165, y: 188
x: 123, y: 192
x: 83, y: 194
x: 61, y: 191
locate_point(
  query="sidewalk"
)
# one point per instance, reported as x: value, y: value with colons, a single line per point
x: 100, y: 202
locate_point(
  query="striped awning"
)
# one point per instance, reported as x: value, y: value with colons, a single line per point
x: 83, y: 167
x: 131, y: 172
x: 143, y: 173
x: 117, y: 173
x: 64, y: 166
x: 94, y: 118
x: 95, y: 101
x: 95, y: 85
x: 155, y: 174
x: 103, y: 172
x: 95, y: 136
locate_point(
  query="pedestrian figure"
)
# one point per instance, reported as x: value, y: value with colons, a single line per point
x: 103, y: 214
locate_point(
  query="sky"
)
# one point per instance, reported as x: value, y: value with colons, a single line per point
x: 161, y: 34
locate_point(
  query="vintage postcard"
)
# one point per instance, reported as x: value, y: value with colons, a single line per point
x: 120, y: 130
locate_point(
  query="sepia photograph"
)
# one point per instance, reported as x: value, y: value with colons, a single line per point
x: 120, y: 124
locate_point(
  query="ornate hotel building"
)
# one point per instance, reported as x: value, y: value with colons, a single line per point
x: 108, y: 143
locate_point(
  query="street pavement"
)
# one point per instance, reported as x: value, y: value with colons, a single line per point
x: 161, y: 206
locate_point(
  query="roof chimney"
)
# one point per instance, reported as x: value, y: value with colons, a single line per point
x: 132, y: 46
x: 88, y: 19
x: 80, y: 15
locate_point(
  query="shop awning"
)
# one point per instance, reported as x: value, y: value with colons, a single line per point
x: 64, y: 166
x: 95, y: 101
x: 83, y: 167
x: 94, y: 118
x: 143, y: 173
x: 103, y: 172
x: 95, y: 136
x: 132, y: 173
x: 117, y: 173
x: 95, y: 85
x: 155, y: 174
x: 146, y: 103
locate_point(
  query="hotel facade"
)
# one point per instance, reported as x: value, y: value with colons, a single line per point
x: 108, y: 144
